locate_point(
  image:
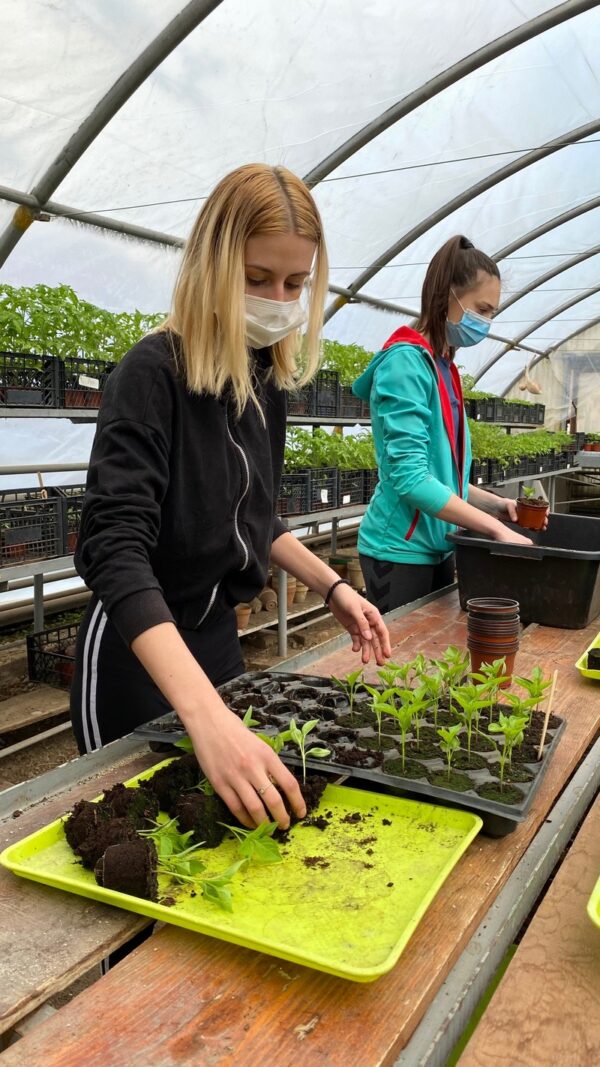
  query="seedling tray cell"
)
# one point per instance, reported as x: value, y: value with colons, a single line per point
x: 344, y: 900
x: 593, y: 908
x: 582, y: 662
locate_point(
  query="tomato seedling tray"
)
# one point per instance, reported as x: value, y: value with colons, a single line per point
x: 345, y: 899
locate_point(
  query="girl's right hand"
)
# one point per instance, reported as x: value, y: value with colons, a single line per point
x: 242, y: 769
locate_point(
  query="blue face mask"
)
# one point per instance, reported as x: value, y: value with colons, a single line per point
x: 471, y: 329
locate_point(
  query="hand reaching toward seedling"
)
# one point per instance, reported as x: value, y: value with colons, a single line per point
x: 363, y: 622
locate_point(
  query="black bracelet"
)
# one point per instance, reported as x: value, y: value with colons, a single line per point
x: 332, y: 588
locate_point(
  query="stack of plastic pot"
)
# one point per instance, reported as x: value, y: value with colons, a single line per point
x: 493, y: 631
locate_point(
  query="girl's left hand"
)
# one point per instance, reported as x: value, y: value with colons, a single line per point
x: 508, y: 511
x: 363, y: 622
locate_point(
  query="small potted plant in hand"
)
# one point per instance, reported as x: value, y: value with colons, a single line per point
x: 531, y: 510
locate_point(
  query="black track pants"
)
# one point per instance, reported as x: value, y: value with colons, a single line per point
x: 112, y: 693
x: 390, y: 585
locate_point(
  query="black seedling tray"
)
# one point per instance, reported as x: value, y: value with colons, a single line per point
x: 276, y: 697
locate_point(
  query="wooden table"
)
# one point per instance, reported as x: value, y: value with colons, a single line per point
x: 547, y: 1006
x: 182, y: 998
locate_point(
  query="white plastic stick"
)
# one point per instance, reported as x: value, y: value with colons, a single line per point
x: 547, y: 715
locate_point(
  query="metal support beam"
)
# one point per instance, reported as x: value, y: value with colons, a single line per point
x: 547, y: 227
x: 536, y: 326
x: 467, y: 65
x: 282, y: 612
x: 153, y: 55
x: 548, y: 275
x: 553, y: 348
x: 401, y: 309
x: 527, y: 159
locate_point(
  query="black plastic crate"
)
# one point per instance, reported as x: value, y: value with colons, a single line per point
x: 51, y: 655
x: 480, y: 472
x: 294, y: 494
x: 70, y: 498
x: 323, y: 484
x: 82, y: 381
x: 28, y: 380
x: 30, y: 528
x: 351, y: 488
x: 370, y: 481
x: 482, y: 409
x: 539, y: 414
x: 302, y: 401
x: 350, y: 405
x: 327, y: 393
x: 556, y: 580
x: 365, y: 409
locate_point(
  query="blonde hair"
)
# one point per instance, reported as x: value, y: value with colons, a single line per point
x: 208, y: 311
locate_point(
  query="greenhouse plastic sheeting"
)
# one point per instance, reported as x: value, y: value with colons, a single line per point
x: 479, y: 89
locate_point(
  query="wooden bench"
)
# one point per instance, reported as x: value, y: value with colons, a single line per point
x: 186, y: 999
x: 546, y: 1009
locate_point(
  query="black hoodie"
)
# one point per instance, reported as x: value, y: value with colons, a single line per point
x: 179, y: 512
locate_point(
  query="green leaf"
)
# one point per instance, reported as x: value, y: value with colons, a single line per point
x: 318, y: 753
x: 185, y: 744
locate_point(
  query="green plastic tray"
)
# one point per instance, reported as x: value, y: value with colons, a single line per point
x: 351, y: 914
x: 593, y: 908
x: 582, y: 661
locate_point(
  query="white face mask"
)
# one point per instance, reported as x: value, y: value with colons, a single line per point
x: 269, y: 321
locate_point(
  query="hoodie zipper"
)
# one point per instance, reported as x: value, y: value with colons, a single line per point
x: 242, y: 497
x: 209, y: 605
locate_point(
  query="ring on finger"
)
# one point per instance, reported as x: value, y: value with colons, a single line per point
x: 264, y: 788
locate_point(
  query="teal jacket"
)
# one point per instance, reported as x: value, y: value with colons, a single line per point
x: 419, y: 467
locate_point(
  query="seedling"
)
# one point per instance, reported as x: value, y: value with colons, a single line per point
x: 257, y: 845
x: 349, y: 685
x: 392, y: 671
x: 449, y: 742
x: 433, y: 685
x: 180, y: 862
x: 298, y: 736
x: 276, y: 741
x: 248, y: 720
x: 471, y: 700
x: 418, y: 665
x: 511, y: 727
x: 381, y: 704
x: 536, y: 686
x: 452, y: 666
x: 403, y: 716
x: 528, y: 492
x: 492, y: 675
x: 416, y: 701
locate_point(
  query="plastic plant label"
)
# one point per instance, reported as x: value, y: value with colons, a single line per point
x: 324, y: 496
x: 88, y: 383
x: 346, y: 498
x: 480, y: 480
x: 478, y: 416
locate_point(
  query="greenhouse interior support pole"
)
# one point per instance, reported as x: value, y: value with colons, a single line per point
x: 119, y: 93
x: 38, y: 603
x: 282, y: 612
x: 334, y: 536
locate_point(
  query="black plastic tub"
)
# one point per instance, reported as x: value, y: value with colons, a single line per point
x: 275, y: 697
x: 556, y: 580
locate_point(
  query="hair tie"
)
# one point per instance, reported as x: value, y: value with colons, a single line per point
x: 465, y: 243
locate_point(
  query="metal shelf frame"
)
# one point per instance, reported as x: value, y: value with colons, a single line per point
x: 91, y: 415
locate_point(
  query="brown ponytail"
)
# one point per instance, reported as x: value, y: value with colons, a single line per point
x: 454, y: 266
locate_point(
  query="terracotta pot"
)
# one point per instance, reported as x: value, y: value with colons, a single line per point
x: 531, y: 514
x: 478, y: 658
x: 339, y: 564
x: 588, y: 448
x: 494, y: 606
x: 499, y: 646
x: 291, y: 588
x: 595, y: 446
x: 242, y: 612
x: 301, y: 591
x: 355, y: 574
x: 268, y: 599
x: 256, y: 605
x: 72, y: 541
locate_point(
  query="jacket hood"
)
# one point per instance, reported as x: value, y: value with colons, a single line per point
x: 403, y: 335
